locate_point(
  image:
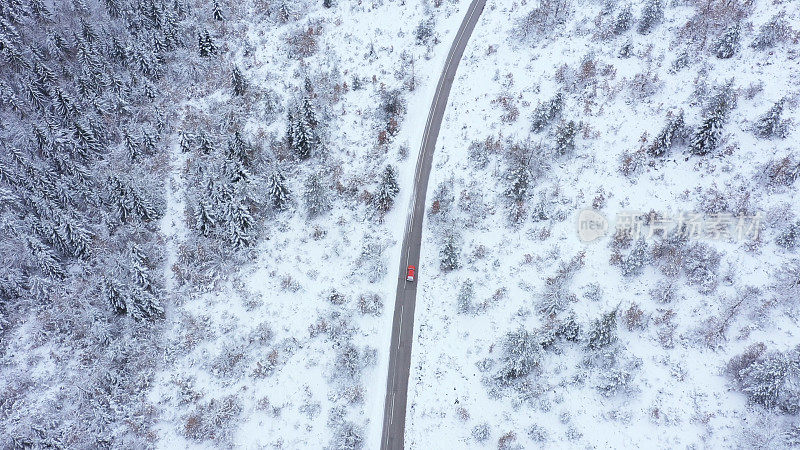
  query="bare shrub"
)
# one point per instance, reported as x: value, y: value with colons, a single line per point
x: 544, y: 19
x: 212, y: 420
x: 303, y: 41
x: 634, y: 318
x: 781, y: 172
x: 370, y: 304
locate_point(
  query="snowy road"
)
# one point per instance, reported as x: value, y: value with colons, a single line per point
x: 394, y: 418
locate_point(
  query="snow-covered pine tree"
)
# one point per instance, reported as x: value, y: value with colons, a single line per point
x: 634, y: 263
x: 771, y: 33
x: 307, y: 112
x: 522, y: 353
x: 205, y: 219
x: 546, y: 112
x: 449, y: 255
x: 238, y: 82
x: 674, y: 131
x: 565, y: 138
x: 770, y: 124
x: 240, y: 223
x: 316, y: 196
x: 727, y: 44
x: 387, y: 190
x: 652, y: 15
x: 568, y: 329
x: 206, y: 44
x: 327, y: 3
x: 774, y: 382
x: 278, y: 192
x: 217, y: 12
x: 290, y: 129
x: 465, y: 297
x: 603, y: 331
x: 708, y: 135
x: 624, y: 20
x: 303, y: 139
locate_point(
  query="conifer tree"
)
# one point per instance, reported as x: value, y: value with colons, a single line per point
x: 727, y: 44
x: 278, y: 192
x: 238, y: 81
x: 387, y: 190
x: 770, y: 124
x: 316, y: 198
x: 449, y: 255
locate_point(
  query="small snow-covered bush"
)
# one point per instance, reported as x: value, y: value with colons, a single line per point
x: 781, y: 172
x: 700, y: 263
x: 347, y: 436
x: 482, y: 432
x: 370, y: 304
x: 213, y: 420
x: 450, y: 255
x: 350, y: 360
x: 789, y: 237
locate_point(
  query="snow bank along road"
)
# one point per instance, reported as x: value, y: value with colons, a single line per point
x: 394, y: 414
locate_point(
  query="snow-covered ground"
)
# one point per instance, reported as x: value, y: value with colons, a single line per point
x: 254, y: 361
x: 662, y: 383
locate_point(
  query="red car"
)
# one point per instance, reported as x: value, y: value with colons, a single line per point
x: 412, y: 271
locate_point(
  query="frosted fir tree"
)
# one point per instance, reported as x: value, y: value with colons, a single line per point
x: 603, y: 331
x: 652, y: 15
x: 206, y: 44
x: 387, y: 190
x: 624, y: 20
x: 217, y: 12
x: 205, y: 219
x: 774, y: 382
x: 708, y: 135
x: 449, y: 255
x: 278, y: 192
x: 546, y: 112
x: 238, y: 82
x: 770, y: 124
x: 131, y: 145
x: 518, y: 177
x: 568, y: 329
x: 308, y: 113
x: 290, y: 129
x: 727, y: 44
x: 302, y: 139
x: 674, y: 131
x: 771, y: 33
x: 316, y: 196
x: 637, y: 259
x: 521, y: 354
x: 466, y: 295
x: 240, y: 223
x: 565, y: 138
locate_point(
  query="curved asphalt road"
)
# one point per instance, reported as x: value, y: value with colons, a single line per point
x: 394, y: 414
